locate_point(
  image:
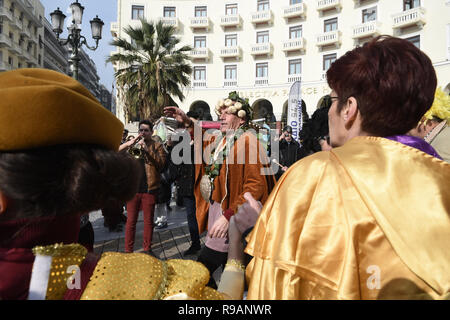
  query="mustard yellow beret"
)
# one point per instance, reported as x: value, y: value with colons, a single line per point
x: 40, y: 107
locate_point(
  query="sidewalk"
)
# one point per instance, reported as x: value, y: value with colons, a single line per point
x: 167, y: 243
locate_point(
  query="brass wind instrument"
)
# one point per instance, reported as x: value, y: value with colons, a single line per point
x: 135, y: 149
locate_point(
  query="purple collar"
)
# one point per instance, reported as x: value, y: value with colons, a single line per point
x: 417, y: 143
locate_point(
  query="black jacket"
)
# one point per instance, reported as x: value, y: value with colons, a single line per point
x: 290, y: 152
x: 186, y: 177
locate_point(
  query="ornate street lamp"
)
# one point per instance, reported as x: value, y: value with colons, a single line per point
x: 75, y: 39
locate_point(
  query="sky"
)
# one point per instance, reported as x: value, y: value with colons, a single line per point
x: 107, y: 11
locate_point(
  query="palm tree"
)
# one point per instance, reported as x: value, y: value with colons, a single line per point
x: 151, y: 68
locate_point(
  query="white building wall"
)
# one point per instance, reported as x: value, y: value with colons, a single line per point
x: 433, y: 32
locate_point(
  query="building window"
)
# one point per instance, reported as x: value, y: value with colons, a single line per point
x: 230, y: 40
x: 200, y: 73
x: 137, y: 12
x: 410, y: 4
x: 328, y: 59
x: 415, y: 40
x: 200, y: 42
x: 291, y: 2
x: 262, y: 37
x: 295, y: 32
x: 295, y: 66
x: 11, y: 36
x: 263, y: 5
x: 169, y: 12
x: 231, y: 9
x: 200, y: 11
x: 231, y: 72
x: 1, y: 26
x: 330, y: 25
x: 10, y: 61
x: 21, y: 17
x: 369, y: 14
x: 262, y: 70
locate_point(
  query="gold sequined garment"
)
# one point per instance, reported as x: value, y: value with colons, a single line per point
x: 138, y: 276
x: 63, y: 257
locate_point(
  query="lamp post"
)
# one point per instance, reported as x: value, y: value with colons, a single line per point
x: 75, y: 39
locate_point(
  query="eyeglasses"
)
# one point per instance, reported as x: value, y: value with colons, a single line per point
x: 326, y: 138
x: 334, y: 97
x: 145, y: 130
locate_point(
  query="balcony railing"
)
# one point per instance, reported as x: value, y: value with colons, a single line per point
x: 230, y: 52
x: 323, y: 76
x: 114, y: 29
x: 366, y: 29
x: 199, y: 83
x: 26, y: 32
x: 294, y: 44
x: 230, y: 20
x: 170, y: 21
x: 261, y: 16
x: 294, y: 77
x: 199, y: 22
x: 5, y: 13
x: 230, y: 83
x: 261, y: 81
x: 328, y: 38
x: 295, y: 10
x: 261, y: 48
x: 407, y: 18
x: 16, y: 23
x: 15, y: 48
x: 199, y: 53
x: 328, y: 4
x: 4, y: 40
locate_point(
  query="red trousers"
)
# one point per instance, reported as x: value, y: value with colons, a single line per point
x: 146, y: 201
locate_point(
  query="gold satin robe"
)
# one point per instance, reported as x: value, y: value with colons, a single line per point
x: 368, y: 220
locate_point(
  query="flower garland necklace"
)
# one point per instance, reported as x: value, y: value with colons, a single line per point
x: 215, y: 163
x: 241, y: 108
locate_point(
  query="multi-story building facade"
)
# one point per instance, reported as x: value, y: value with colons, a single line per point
x: 55, y: 56
x: 260, y: 47
x: 21, y: 34
x: 88, y: 74
x: 105, y: 97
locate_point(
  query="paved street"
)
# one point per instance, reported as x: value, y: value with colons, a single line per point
x: 167, y: 243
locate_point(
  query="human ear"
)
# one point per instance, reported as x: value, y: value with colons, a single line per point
x: 350, y: 111
x: 3, y: 202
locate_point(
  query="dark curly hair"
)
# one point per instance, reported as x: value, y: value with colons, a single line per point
x: 65, y: 179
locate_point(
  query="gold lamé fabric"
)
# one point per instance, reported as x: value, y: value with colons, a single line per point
x: 368, y: 220
x: 138, y: 276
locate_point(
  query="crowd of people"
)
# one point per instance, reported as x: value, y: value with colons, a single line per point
x: 357, y: 208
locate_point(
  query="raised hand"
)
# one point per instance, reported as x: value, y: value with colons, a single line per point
x: 177, y: 114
